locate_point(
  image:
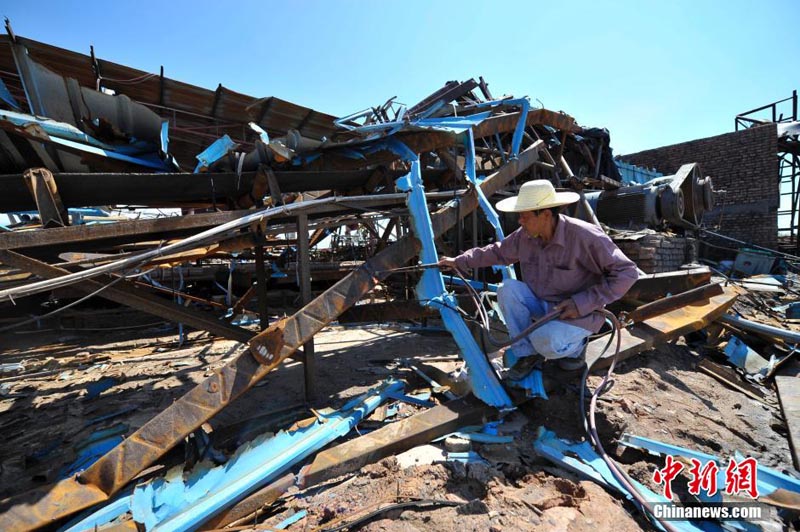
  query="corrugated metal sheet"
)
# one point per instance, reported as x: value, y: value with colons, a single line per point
x: 194, y: 116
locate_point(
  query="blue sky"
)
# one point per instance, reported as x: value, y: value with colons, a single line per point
x: 653, y: 73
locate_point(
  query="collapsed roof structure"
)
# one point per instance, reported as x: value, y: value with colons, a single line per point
x: 90, y: 151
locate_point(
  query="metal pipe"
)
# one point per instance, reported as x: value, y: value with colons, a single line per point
x: 760, y: 328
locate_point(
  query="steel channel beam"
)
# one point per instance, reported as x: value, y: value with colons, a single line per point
x: 448, y: 93
x: 660, y: 329
x: 351, y: 456
x: 670, y: 303
x: 133, y: 228
x: 171, y: 189
x: 48, y: 202
x: 508, y: 122
x: 81, y: 190
x: 395, y: 438
x: 251, y: 504
x: 655, y: 286
x: 32, y: 510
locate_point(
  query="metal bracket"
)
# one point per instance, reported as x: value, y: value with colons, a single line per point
x: 43, y: 188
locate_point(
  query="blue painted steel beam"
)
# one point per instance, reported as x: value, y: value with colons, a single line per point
x: 453, y: 124
x: 292, y: 519
x: 636, y: 175
x: 66, y: 135
x: 146, y: 161
x: 6, y: 96
x: 69, y: 132
x: 431, y: 289
x: 206, y: 494
x: 483, y: 201
x: 519, y: 130
x: 105, y: 515
x: 218, y: 149
x: 179, y: 503
x: 479, y: 437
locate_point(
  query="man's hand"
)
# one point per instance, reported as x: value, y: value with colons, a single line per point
x: 447, y: 262
x: 568, y: 308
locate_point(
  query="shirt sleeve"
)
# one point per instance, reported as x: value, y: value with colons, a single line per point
x: 500, y: 253
x: 618, y: 273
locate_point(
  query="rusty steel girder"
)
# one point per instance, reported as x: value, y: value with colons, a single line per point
x: 35, y: 509
x: 281, y: 339
x: 663, y: 327
x: 654, y: 286
x: 395, y: 438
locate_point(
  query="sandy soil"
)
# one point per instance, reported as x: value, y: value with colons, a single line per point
x: 48, y: 410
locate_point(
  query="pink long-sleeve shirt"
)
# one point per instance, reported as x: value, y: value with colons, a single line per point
x: 580, y: 262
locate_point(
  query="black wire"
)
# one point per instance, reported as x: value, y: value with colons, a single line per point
x: 408, y: 504
x: 482, y: 315
x: 786, y: 256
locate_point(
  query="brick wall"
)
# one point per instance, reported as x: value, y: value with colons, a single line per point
x: 743, y: 163
x: 659, y: 252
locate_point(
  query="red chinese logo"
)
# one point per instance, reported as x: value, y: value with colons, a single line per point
x: 704, y: 477
x: 740, y: 477
x: 665, y: 476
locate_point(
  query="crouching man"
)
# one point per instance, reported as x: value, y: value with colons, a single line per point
x: 567, y: 265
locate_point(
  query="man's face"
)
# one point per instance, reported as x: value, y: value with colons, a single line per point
x: 534, y: 222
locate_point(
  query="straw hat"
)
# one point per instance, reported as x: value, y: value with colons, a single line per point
x: 536, y: 195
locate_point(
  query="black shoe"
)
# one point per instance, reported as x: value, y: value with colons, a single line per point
x: 523, y: 367
x: 573, y: 363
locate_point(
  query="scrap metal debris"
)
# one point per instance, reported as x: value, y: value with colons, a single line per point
x: 179, y: 268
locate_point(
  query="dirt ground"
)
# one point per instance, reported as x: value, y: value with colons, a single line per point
x: 49, y: 409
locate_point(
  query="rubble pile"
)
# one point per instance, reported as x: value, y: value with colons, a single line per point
x: 221, y: 312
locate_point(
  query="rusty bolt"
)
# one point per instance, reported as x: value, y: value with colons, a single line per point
x: 213, y: 387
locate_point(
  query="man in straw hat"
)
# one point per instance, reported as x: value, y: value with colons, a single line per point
x: 567, y: 265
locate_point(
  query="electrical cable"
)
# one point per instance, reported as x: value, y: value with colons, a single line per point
x: 793, y: 258
x: 419, y: 503
x: 590, y: 424
x: 485, y: 322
